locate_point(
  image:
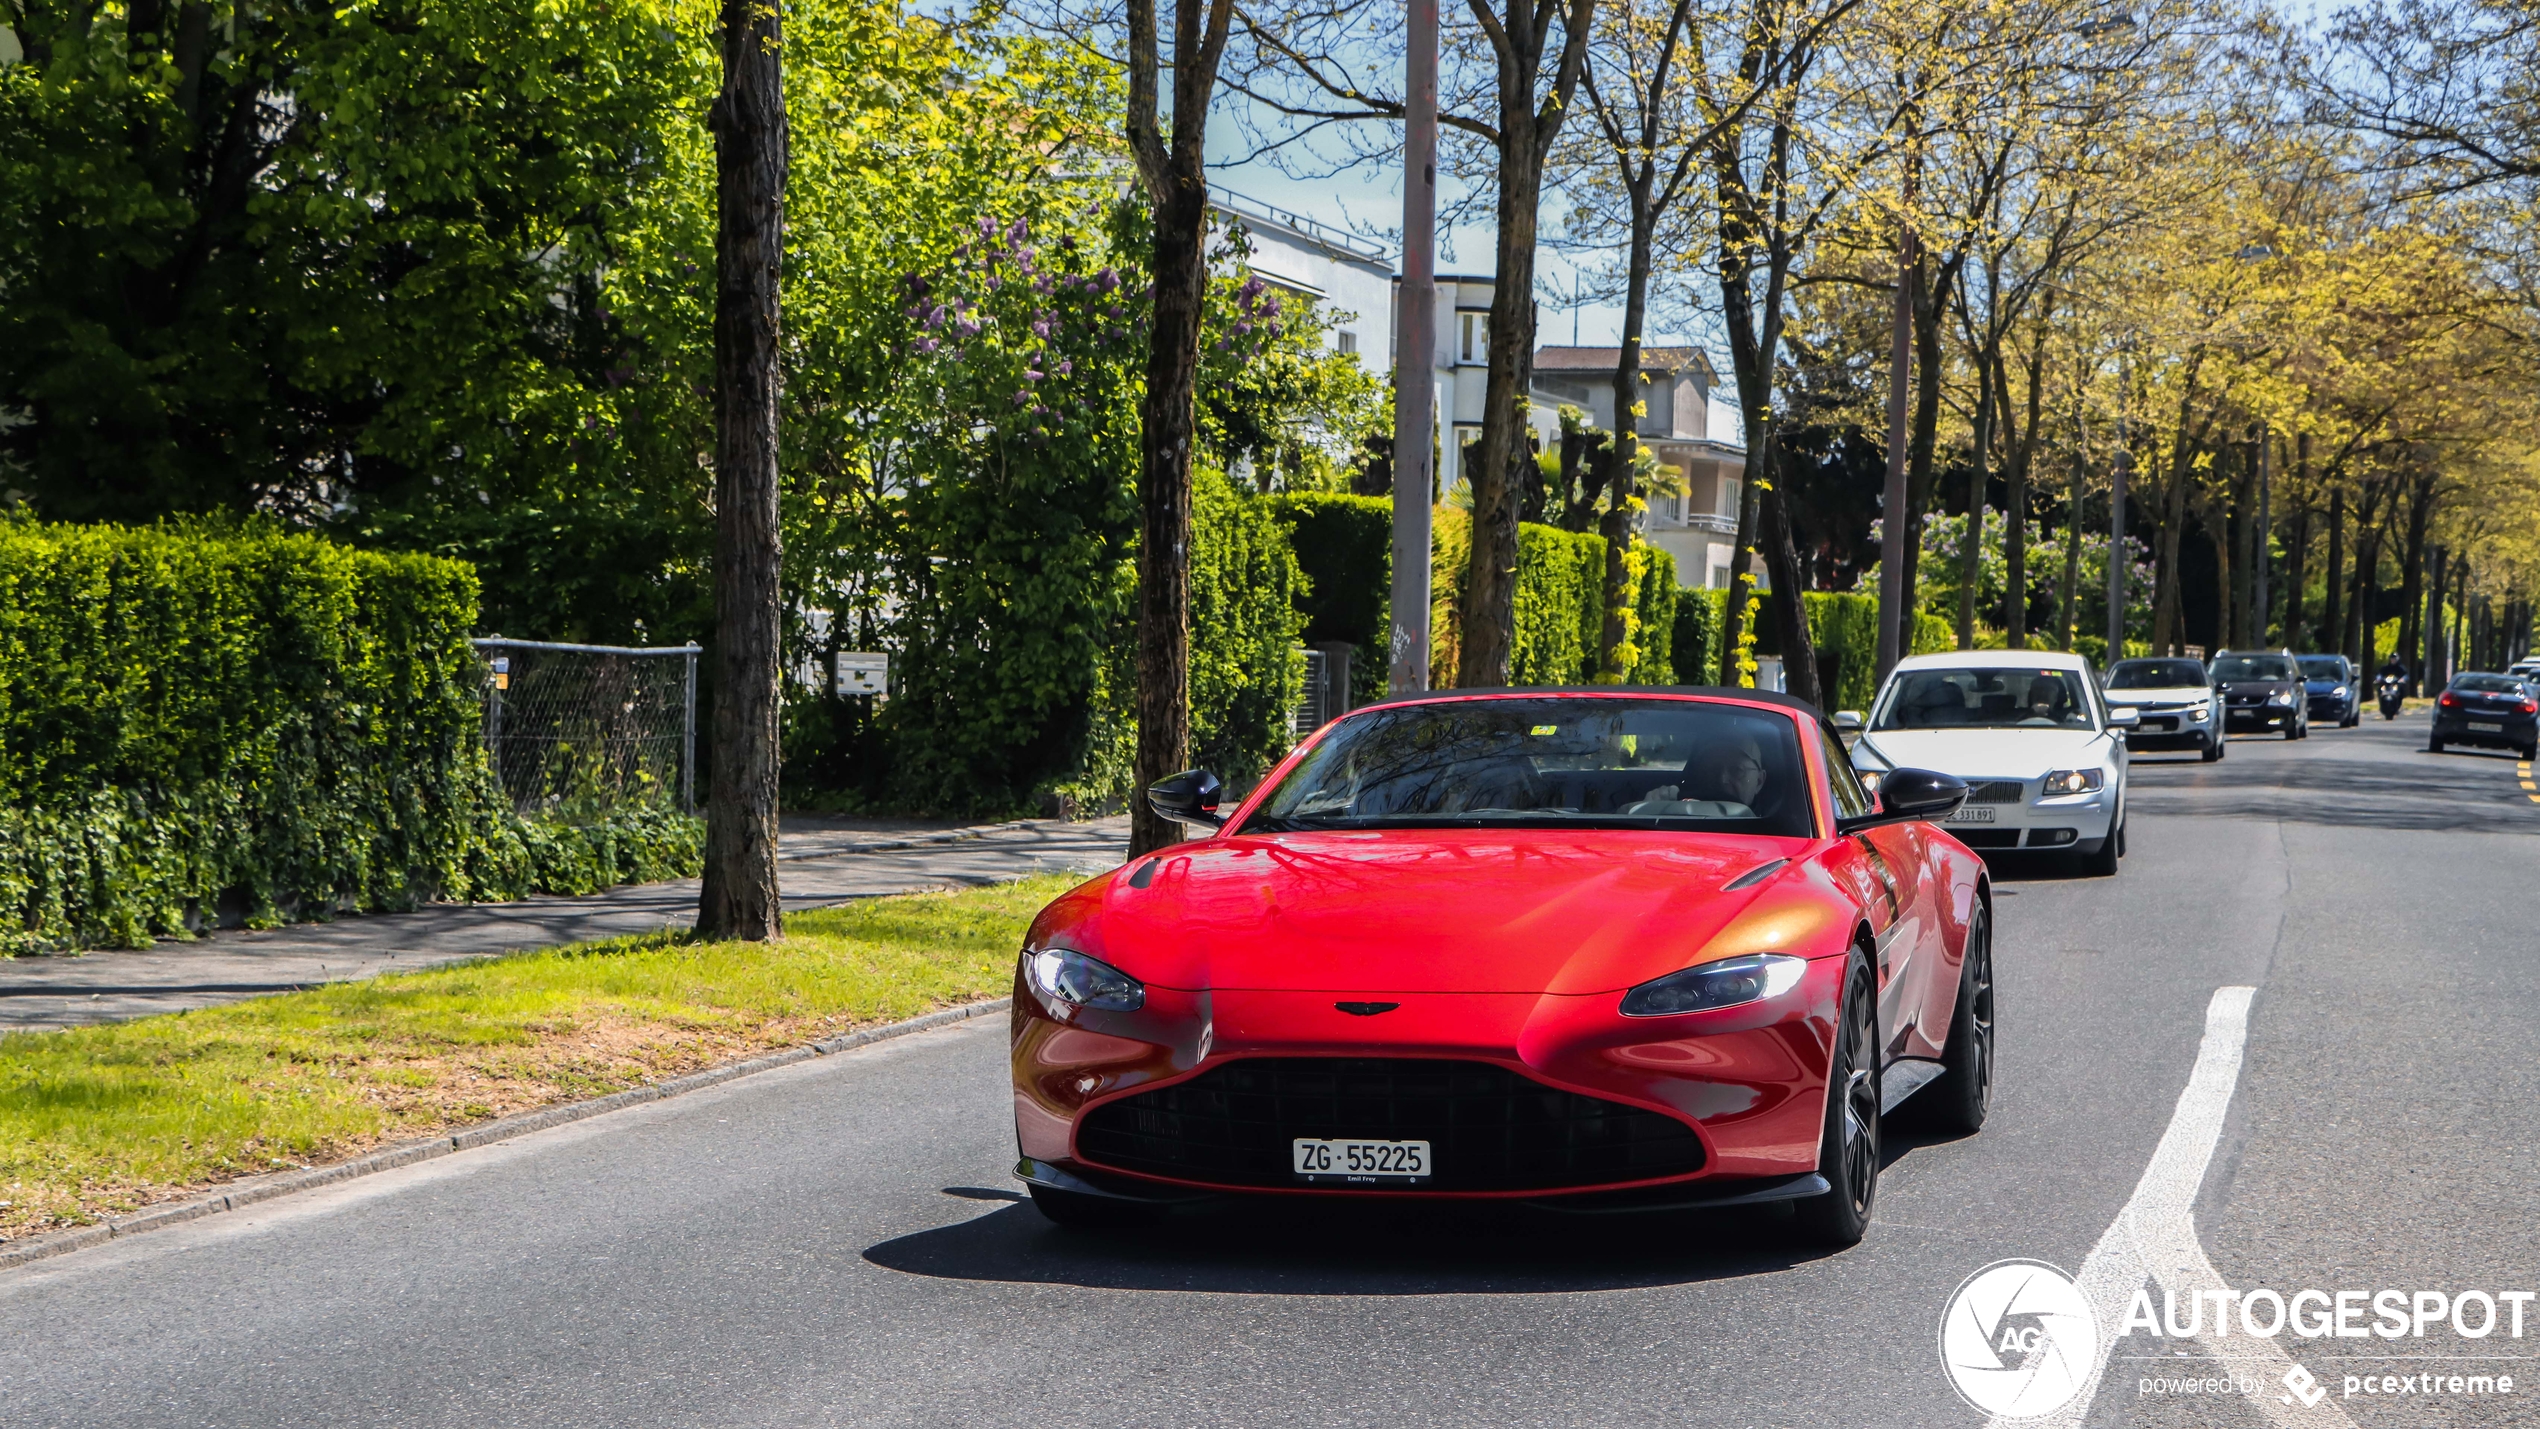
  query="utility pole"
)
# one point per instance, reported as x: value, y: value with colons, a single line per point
x: 2118, y: 470
x: 1415, y: 348
x: 2260, y: 611
x: 1893, y: 637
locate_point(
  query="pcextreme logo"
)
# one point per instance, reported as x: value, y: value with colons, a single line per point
x: 2018, y: 1339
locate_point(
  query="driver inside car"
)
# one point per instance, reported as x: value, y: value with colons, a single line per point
x: 1724, y: 779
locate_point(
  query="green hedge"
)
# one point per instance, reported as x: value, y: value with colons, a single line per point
x: 1246, y: 672
x: 198, y: 721
x: 1843, y: 625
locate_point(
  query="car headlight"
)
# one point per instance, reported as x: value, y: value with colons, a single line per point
x: 2076, y: 781
x: 2337, y: 694
x: 1064, y: 975
x: 2197, y: 715
x: 1726, y: 983
x: 2280, y: 697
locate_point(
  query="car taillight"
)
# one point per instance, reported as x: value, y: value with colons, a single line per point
x: 2530, y: 706
x: 2451, y: 701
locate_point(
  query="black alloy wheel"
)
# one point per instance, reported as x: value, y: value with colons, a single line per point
x: 1955, y: 1103
x: 1848, y: 1152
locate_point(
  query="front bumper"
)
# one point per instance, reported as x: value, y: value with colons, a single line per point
x: 2331, y: 707
x: 2172, y: 727
x: 2240, y: 716
x: 2060, y: 821
x: 1093, y: 1093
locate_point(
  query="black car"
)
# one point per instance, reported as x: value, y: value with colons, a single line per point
x: 2262, y: 690
x: 2495, y: 711
x: 2337, y: 696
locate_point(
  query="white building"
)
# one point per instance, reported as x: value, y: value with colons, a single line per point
x: 1698, y: 526
x: 1352, y: 279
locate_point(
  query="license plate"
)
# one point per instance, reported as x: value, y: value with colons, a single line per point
x: 1355, y: 1162
x: 2480, y: 726
x: 1972, y: 814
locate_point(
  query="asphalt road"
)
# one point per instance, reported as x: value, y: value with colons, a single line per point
x: 837, y: 1242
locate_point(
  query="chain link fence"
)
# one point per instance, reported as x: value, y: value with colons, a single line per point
x: 575, y: 730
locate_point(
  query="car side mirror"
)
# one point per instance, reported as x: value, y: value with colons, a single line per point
x: 1849, y: 721
x: 1190, y: 797
x: 1908, y: 796
x: 2125, y: 719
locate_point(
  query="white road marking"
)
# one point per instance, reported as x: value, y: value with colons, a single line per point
x: 2154, y: 1237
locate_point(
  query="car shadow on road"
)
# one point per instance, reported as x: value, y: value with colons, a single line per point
x: 1271, y: 1247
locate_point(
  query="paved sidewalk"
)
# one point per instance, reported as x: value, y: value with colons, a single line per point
x: 822, y: 862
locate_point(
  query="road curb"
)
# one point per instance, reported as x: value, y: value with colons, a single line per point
x: 940, y: 836
x: 266, y: 1188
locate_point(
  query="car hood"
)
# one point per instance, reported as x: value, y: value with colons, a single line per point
x: 2257, y: 687
x: 2323, y: 684
x: 1461, y: 910
x: 1989, y: 753
x: 2167, y: 695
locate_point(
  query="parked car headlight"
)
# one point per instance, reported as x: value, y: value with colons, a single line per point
x: 2337, y: 694
x: 2197, y: 715
x: 1726, y: 983
x: 1064, y: 975
x: 2280, y: 697
x: 2076, y: 781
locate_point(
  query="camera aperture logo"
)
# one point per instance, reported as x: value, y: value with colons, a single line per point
x: 2018, y: 1339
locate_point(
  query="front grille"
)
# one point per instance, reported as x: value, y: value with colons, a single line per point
x: 1996, y: 791
x: 1488, y: 1128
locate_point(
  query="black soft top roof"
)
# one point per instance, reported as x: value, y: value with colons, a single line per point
x: 1769, y: 697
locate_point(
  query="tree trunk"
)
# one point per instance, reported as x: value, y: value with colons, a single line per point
x: 2298, y: 563
x: 2023, y: 449
x: 1931, y: 302
x: 1168, y: 418
x: 2412, y: 568
x: 1617, y: 526
x: 1489, y: 606
x: 2332, y: 629
x: 2068, y: 599
x: 739, y: 898
x: 2165, y: 595
x: 1790, y: 602
x: 1979, y: 477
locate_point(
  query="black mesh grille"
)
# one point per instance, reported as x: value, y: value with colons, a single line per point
x: 1488, y: 1128
x: 1995, y: 791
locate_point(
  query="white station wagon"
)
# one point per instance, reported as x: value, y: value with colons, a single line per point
x: 2030, y: 731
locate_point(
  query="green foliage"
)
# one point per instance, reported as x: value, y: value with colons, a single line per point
x: 1654, y: 598
x: 1697, y: 637
x: 1246, y: 672
x: 1560, y: 606
x: 199, y: 717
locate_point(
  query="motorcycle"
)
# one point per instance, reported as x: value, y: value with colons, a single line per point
x: 2392, y: 689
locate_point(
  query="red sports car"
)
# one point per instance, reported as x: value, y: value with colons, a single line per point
x: 1595, y: 949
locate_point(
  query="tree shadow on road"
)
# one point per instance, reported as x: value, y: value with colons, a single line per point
x: 1267, y: 1246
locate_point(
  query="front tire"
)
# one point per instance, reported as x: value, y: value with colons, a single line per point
x: 1956, y: 1103
x: 2213, y: 749
x: 1848, y: 1149
x: 2434, y: 746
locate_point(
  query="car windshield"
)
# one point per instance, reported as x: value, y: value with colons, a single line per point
x: 1514, y: 763
x: 2006, y: 698
x: 2233, y: 669
x: 2322, y: 667
x: 2155, y: 675
x: 2487, y: 685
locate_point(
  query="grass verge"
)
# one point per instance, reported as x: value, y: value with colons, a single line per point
x: 99, y: 1121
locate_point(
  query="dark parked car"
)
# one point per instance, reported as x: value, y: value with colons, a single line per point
x: 2494, y: 711
x: 2262, y: 689
x: 2337, y: 695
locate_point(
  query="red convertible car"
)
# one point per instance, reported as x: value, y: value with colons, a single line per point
x: 1602, y: 949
